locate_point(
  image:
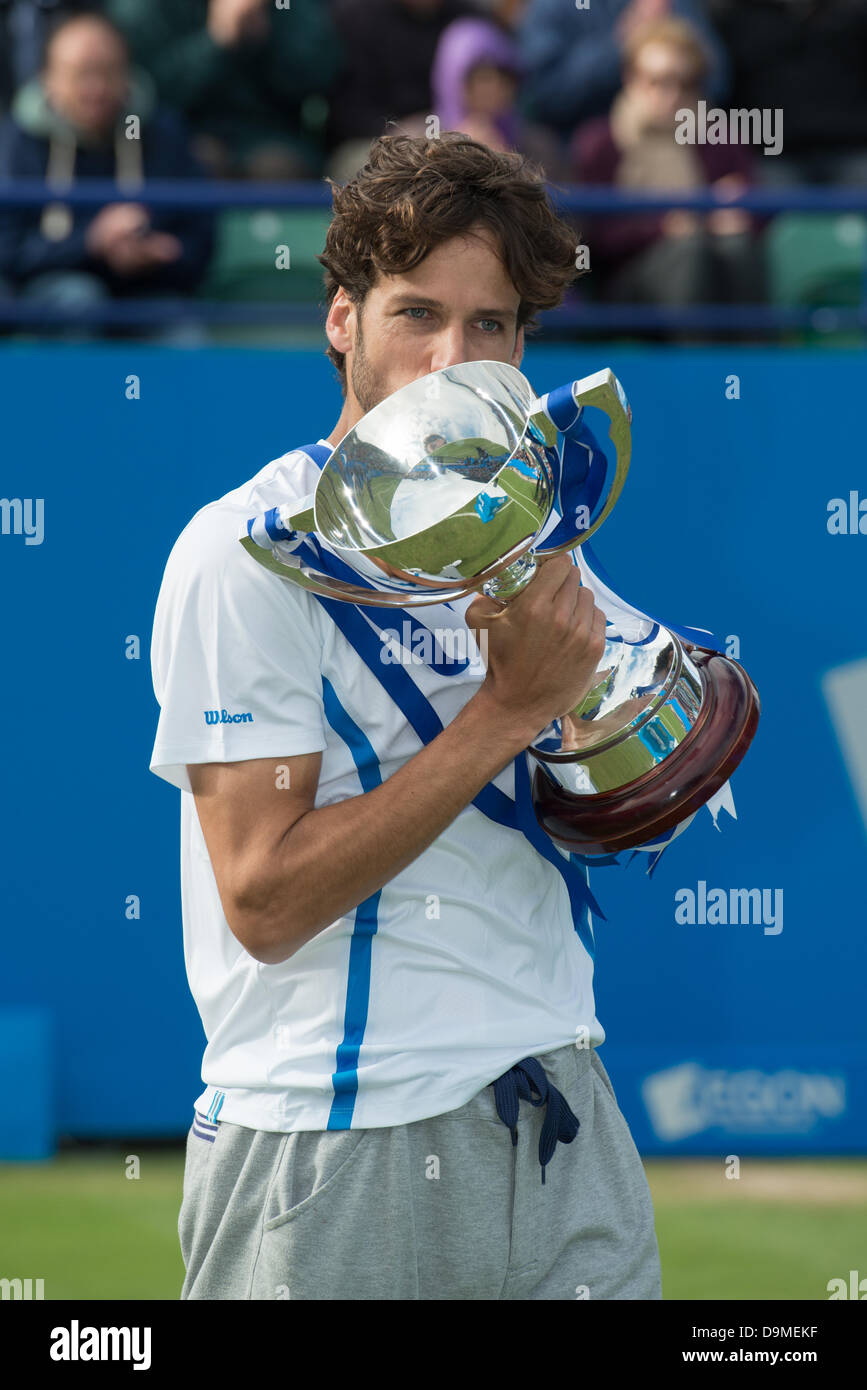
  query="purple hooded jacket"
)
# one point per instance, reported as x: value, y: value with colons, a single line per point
x: 462, y: 46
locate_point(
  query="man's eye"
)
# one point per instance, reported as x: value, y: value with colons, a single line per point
x: 495, y: 325
x: 416, y: 309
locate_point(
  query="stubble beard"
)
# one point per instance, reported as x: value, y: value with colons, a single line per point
x: 366, y: 383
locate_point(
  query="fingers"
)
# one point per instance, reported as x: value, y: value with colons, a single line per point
x: 483, y: 611
x: 131, y: 215
x: 163, y: 247
x: 555, y: 595
x: 551, y: 576
x: 564, y: 598
x: 600, y: 623
x: 553, y: 571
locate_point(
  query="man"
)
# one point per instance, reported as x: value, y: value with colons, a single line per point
x: 574, y: 53
x: 24, y: 25
x: 676, y: 257
x: 383, y: 969
x: 251, y: 77
x: 72, y: 123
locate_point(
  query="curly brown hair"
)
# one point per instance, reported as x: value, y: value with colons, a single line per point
x: 414, y: 193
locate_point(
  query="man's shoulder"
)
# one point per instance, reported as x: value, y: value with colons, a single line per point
x: 20, y: 152
x: 208, y: 550
x: 213, y: 595
x: 214, y: 529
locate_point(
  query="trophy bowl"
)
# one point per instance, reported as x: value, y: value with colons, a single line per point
x: 464, y: 480
x: 446, y: 481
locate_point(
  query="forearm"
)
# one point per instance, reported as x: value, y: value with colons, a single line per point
x: 335, y: 857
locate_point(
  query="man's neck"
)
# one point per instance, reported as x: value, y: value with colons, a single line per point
x: 349, y: 416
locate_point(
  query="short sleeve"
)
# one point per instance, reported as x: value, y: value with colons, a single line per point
x: 235, y: 657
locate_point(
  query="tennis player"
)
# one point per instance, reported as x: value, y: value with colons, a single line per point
x: 403, y: 1096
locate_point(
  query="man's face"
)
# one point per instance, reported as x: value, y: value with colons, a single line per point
x: 457, y: 305
x: 86, y: 75
x: 663, y: 80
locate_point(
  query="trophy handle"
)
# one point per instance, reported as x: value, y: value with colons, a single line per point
x: 564, y: 408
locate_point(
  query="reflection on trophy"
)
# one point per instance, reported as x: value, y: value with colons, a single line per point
x: 463, y: 481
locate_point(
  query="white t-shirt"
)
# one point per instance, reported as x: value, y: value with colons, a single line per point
x: 468, y: 961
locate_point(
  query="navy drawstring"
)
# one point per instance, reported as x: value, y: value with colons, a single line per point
x: 559, y: 1123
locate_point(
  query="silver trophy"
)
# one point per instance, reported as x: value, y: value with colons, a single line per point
x: 464, y: 481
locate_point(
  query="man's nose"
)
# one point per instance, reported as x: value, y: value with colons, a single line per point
x: 450, y: 348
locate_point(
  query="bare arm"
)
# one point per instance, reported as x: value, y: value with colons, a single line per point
x: 285, y: 870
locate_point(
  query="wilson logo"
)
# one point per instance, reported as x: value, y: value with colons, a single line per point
x: 222, y: 716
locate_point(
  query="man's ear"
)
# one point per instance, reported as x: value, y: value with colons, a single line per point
x: 340, y: 323
x: 519, y: 347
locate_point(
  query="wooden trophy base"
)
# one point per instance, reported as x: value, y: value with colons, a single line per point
x: 608, y: 822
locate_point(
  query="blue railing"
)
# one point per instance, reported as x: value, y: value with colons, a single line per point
x: 587, y: 316
x: 214, y: 194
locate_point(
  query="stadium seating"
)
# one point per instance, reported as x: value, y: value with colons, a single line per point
x: 818, y: 259
x: 245, y: 259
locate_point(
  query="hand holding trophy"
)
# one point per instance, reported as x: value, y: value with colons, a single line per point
x: 466, y: 481
x: 541, y: 648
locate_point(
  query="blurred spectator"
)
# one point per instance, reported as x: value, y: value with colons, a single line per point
x: 506, y: 12
x: 389, y: 48
x: 574, y: 56
x: 24, y: 26
x: 252, y: 79
x: 677, y: 257
x: 475, y: 77
x: 807, y: 58
x: 69, y: 124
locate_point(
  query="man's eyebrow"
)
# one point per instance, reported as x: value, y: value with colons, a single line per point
x: 425, y: 302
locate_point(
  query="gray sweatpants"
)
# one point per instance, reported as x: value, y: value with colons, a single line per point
x: 443, y: 1208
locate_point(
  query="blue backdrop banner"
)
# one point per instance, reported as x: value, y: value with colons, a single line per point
x: 730, y: 985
